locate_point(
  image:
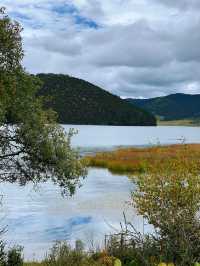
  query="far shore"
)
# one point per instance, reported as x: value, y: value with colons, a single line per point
x: 183, y: 122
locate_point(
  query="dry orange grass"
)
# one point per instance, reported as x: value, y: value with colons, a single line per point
x: 132, y: 160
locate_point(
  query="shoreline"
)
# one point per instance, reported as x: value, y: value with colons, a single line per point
x: 134, y: 160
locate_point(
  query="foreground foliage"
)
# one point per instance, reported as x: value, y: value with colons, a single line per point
x: 12, y: 257
x: 35, y: 148
x: 62, y: 254
x: 168, y: 197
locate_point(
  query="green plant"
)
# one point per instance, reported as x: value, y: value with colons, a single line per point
x: 132, y: 263
x: 62, y: 254
x: 168, y: 197
x: 14, y: 257
x: 33, y: 146
x: 117, y: 262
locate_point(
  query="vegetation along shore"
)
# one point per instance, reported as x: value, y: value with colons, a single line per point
x: 140, y: 160
x: 166, y: 179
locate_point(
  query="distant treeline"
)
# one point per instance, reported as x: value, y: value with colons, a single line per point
x: 79, y: 102
x: 177, y: 106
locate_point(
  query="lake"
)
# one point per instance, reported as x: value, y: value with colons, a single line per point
x: 107, y: 137
x: 36, y: 218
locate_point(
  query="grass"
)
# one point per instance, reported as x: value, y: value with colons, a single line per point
x: 140, y: 160
x: 183, y: 122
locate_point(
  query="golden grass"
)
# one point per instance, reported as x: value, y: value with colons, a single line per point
x: 183, y: 122
x: 138, y: 160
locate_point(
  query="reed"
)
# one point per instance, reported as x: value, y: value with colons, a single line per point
x: 140, y: 160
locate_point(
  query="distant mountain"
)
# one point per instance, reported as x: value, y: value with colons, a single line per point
x: 79, y: 102
x: 172, y: 107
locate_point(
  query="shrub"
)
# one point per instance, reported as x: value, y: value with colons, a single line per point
x: 63, y: 255
x: 168, y: 197
x: 14, y: 257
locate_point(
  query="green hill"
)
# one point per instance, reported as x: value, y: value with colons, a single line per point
x: 177, y: 106
x: 79, y: 102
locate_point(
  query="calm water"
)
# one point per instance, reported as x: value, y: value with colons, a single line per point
x: 35, y: 219
x: 106, y: 137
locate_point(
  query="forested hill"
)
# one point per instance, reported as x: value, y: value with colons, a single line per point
x: 172, y: 107
x: 79, y: 102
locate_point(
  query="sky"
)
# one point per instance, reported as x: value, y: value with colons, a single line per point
x: 132, y: 48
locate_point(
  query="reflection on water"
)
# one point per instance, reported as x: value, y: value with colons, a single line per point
x: 36, y: 219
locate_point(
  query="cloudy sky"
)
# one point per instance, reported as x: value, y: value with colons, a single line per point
x: 132, y: 48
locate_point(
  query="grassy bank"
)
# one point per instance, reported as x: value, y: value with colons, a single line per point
x: 183, y: 122
x: 140, y: 160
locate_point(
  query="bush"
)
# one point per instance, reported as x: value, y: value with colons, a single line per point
x: 169, y: 199
x: 2, y: 254
x: 12, y: 257
x: 62, y: 254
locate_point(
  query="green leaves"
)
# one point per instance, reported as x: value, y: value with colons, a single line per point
x: 117, y: 262
x: 11, y: 52
x: 33, y: 147
x: 168, y: 197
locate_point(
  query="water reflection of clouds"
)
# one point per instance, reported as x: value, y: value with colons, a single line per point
x: 22, y: 228
x: 37, y: 219
x: 65, y: 232
x: 19, y: 222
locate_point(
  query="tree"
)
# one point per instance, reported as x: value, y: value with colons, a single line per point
x: 33, y: 147
x: 168, y: 197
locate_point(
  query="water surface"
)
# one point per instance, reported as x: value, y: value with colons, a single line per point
x: 106, y: 137
x: 35, y: 219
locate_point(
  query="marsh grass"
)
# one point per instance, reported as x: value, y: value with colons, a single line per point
x: 141, y: 160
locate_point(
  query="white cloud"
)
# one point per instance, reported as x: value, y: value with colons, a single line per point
x: 141, y: 48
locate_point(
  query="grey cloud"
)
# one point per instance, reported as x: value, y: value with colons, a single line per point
x: 180, y: 4
x: 187, y: 43
x: 153, y: 56
x: 172, y: 78
x: 62, y: 44
x: 134, y: 45
x: 168, y: 75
